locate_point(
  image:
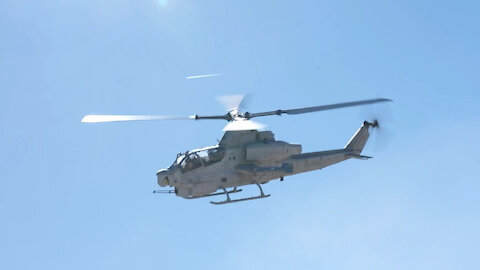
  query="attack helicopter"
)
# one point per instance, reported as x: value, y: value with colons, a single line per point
x: 246, y: 154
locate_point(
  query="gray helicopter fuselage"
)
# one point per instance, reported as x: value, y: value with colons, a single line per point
x: 245, y: 155
x: 248, y: 157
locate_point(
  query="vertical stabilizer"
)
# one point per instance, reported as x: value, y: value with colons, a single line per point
x: 358, y: 141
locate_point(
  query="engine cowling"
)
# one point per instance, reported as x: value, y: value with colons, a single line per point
x: 270, y: 151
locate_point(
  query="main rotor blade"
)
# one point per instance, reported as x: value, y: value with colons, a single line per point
x: 227, y: 117
x: 317, y: 108
x: 102, y: 118
x: 96, y: 118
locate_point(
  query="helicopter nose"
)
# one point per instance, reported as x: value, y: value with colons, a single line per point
x: 162, y: 178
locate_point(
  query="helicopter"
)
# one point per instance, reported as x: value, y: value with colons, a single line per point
x: 246, y: 154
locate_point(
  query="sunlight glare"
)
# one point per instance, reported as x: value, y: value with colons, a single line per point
x: 162, y: 2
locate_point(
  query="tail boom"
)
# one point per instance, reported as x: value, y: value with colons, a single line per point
x: 318, y: 160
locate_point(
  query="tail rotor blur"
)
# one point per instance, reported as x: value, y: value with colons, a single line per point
x: 381, y: 126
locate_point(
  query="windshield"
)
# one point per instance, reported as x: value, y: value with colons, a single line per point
x: 211, y: 156
x: 196, y: 159
x: 179, y: 159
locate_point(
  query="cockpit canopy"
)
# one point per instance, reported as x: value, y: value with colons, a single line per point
x: 197, y: 158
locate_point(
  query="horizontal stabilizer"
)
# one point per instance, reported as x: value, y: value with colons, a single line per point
x: 358, y: 156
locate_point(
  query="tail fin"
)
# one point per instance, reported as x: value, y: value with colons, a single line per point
x: 358, y: 141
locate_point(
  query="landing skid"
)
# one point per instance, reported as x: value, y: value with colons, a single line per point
x: 261, y: 196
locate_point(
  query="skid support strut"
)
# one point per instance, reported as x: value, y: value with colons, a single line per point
x: 261, y: 196
x: 226, y: 193
x: 234, y: 190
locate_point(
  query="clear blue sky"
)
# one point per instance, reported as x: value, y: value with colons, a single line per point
x: 78, y: 196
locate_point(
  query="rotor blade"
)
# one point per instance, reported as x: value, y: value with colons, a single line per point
x: 96, y: 118
x: 227, y: 117
x: 317, y: 108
